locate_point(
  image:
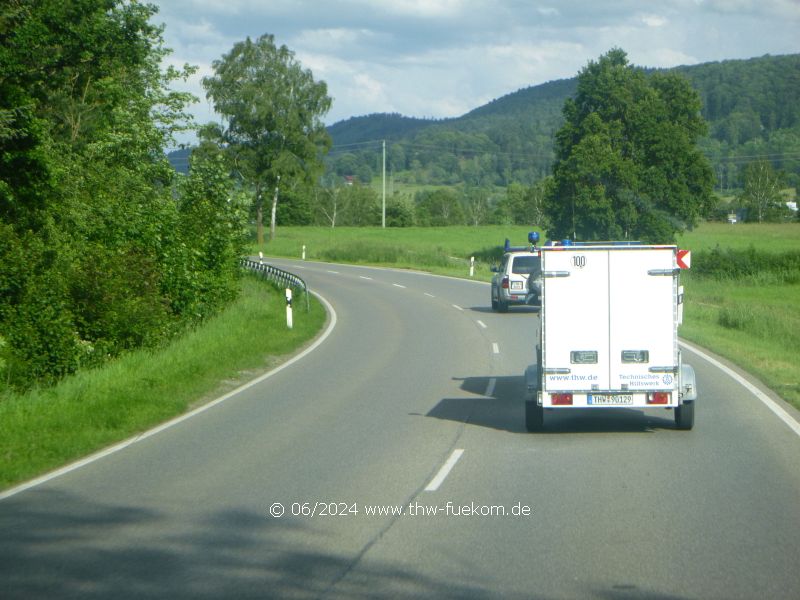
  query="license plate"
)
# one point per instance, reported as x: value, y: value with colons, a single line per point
x: 609, y: 399
x: 516, y: 285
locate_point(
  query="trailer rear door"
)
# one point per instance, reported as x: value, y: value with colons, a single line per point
x: 609, y: 318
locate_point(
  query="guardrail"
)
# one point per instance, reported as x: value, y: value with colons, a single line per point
x: 278, y: 276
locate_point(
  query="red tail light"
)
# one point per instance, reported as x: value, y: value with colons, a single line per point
x: 505, y: 283
x: 658, y: 398
x: 561, y: 399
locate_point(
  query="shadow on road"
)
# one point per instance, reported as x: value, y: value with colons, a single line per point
x: 504, y: 410
x: 61, y: 545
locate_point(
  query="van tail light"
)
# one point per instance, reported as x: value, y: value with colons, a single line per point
x: 505, y: 283
x: 658, y: 398
x: 561, y: 399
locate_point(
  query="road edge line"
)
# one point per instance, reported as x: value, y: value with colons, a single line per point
x: 764, y: 398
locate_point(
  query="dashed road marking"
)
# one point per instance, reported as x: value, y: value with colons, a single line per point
x: 445, y: 470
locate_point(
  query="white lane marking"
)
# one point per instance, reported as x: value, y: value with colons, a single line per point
x: 429, y: 295
x: 334, y: 272
x: 365, y: 277
x: 481, y: 323
x: 445, y: 470
x: 495, y: 348
x: 769, y: 402
x: 457, y: 307
x: 398, y: 285
x: 490, y: 387
x: 130, y: 441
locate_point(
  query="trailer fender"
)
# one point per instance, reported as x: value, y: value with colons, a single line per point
x: 533, y: 380
x: 688, y: 388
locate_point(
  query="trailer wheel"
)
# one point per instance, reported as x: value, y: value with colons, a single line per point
x: 534, y: 416
x: 684, y: 416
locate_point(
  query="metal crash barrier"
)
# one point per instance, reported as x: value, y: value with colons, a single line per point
x: 282, y: 278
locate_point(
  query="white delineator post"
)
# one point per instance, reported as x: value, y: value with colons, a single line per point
x: 261, y: 258
x: 304, y: 251
x: 472, y: 266
x: 289, y: 321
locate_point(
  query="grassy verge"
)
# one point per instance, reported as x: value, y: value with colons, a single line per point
x: 755, y: 324
x: 47, y: 428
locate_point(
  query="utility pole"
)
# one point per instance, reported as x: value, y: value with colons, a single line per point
x: 383, y: 217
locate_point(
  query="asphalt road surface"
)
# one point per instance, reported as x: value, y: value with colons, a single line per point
x: 392, y: 461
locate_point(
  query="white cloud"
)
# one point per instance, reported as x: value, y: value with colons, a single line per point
x: 653, y: 20
x: 547, y: 11
x: 423, y: 8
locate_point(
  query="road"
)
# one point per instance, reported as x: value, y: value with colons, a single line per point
x: 415, y: 401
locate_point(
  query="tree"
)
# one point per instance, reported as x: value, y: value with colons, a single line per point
x: 273, y: 109
x: 627, y: 165
x: 359, y: 206
x: 762, y: 191
x: 439, y: 208
x: 96, y: 255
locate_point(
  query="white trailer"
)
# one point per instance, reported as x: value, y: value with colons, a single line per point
x: 609, y: 333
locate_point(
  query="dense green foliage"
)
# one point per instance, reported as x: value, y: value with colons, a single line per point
x: 100, y: 250
x: 274, y: 137
x: 627, y: 166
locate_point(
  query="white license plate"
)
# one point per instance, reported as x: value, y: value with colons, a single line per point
x: 609, y: 399
x: 516, y: 285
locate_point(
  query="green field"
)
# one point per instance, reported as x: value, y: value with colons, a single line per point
x: 755, y: 324
x: 771, y: 237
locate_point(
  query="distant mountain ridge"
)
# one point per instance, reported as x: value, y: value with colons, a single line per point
x: 751, y: 106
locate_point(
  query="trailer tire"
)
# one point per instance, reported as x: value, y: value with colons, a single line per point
x: 684, y: 416
x: 534, y: 416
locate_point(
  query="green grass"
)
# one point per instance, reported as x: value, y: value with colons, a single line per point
x: 771, y: 237
x: 443, y: 250
x: 754, y: 323
x: 755, y: 326
x: 44, y: 429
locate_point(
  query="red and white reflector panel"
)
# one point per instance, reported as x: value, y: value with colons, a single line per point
x: 684, y: 258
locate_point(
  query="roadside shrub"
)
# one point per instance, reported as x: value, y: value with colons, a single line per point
x: 750, y: 264
x: 43, y: 344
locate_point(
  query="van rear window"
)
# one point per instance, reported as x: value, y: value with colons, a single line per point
x: 527, y: 265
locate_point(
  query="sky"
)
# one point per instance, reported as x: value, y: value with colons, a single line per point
x: 443, y: 58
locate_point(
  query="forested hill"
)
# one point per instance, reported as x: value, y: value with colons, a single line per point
x: 751, y: 105
x: 375, y: 126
